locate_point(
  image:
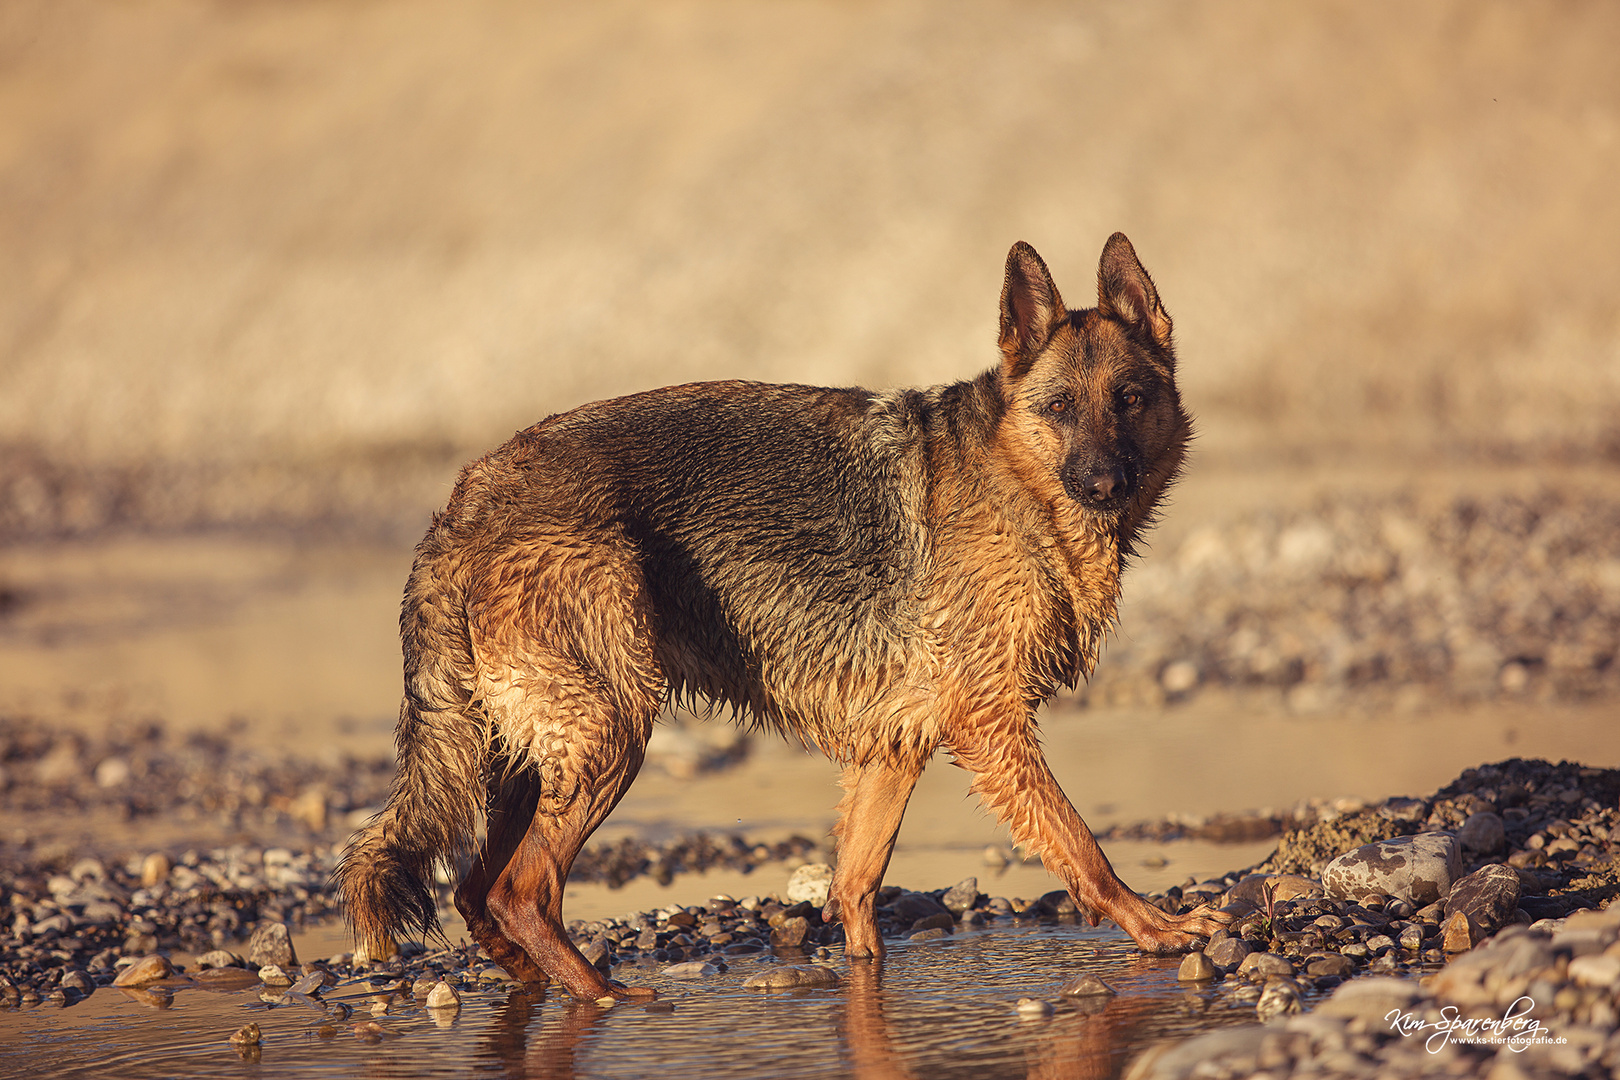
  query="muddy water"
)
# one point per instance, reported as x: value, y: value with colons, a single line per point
x: 947, y: 1008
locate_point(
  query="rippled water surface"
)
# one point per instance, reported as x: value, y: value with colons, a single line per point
x: 945, y: 1008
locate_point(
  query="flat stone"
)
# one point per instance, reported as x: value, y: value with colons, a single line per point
x: 219, y: 958
x: 1489, y: 897
x: 1342, y: 966
x: 931, y: 933
x: 1483, y: 833
x: 810, y: 883
x: 692, y: 969
x: 942, y: 921
x: 788, y: 977
x: 144, y: 972
x: 1417, y: 869
x: 271, y: 943
x: 225, y: 980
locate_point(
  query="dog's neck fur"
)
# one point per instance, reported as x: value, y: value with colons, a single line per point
x: 1071, y: 576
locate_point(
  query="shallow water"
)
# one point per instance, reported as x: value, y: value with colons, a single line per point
x: 941, y: 1009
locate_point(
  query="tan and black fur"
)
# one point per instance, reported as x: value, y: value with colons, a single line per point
x: 883, y: 575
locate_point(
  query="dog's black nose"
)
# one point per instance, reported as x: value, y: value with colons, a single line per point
x: 1105, y: 486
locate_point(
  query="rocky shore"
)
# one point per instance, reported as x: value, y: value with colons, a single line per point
x: 1366, y: 929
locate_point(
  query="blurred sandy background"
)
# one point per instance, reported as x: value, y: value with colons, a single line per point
x: 269, y: 272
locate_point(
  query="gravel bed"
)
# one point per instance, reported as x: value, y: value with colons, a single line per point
x: 1349, y: 958
x: 1388, y: 600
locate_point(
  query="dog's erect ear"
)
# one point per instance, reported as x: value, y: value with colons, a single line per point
x: 1030, y: 309
x: 1125, y: 291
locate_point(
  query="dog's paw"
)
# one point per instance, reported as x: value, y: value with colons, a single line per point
x: 1162, y: 934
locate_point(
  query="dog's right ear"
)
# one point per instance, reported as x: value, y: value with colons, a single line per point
x: 1030, y: 310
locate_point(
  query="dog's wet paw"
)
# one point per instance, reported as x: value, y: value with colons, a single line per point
x: 1165, y: 935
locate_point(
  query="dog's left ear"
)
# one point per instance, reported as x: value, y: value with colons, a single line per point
x: 1030, y: 309
x: 1125, y: 291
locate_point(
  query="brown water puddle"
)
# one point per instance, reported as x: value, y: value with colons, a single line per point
x: 941, y: 1009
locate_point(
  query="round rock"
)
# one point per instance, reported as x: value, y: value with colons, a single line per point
x: 1418, y: 869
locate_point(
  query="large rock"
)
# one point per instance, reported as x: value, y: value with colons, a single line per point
x: 810, y: 882
x: 271, y: 943
x: 1483, y: 833
x: 1488, y: 897
x: 1281, y: 887
x: 1418, y: 869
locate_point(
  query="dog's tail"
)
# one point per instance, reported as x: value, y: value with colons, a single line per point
x: 385, y: 878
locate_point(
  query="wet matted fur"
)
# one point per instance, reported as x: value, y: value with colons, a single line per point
x: 881, y: 574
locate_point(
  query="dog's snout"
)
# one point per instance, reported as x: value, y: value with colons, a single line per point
x: 1105, y: 485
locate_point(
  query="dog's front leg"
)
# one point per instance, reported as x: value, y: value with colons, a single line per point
x: 1012, y: 778
x: 875, y: 797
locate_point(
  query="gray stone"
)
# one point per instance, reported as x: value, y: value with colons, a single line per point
x: 1417, y: 869
x: 1086, y: 985
x: 271, y: 943
x: 1279, y: 997
x: 1228, y: 953
x: 692, y: 969
x: 1320, y: 966
x: 787, y: 977
x: 911, y: 906
x: 1483, y: 833
x: 962, y: 896
x: 810, y: 882
x: 1257, y: 967
x: 1488, y: 897
x: 1057, y: 902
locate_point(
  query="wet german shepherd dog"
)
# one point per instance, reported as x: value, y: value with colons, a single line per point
x: 882, y: 574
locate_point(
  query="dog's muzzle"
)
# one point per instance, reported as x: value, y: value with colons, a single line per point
x: 1101, y: 486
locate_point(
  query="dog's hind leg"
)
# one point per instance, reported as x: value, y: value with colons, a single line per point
x: 1012, y: 778
x: 512, y: 804
x: 875, y: 797
x: 584, y: 748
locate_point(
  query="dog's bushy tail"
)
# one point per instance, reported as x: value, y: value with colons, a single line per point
x: 385, y: 878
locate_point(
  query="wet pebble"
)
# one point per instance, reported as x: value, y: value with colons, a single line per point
x: 785, y: 977
x: 144, y: 972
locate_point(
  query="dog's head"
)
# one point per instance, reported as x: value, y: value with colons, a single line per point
x: 1093, y: 412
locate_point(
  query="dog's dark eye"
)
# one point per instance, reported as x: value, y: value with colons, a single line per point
x: 1130, y: 398
x: 1058, y: 405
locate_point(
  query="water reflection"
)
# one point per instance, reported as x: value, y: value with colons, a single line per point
x: 877, y: 1025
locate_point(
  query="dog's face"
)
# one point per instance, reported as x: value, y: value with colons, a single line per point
x: 1093, y: 412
